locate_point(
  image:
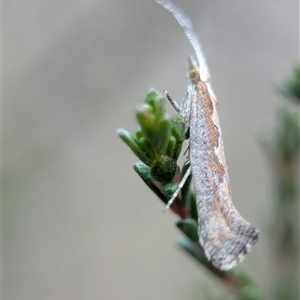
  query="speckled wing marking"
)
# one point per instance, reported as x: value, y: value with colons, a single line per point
x: 224, y: 235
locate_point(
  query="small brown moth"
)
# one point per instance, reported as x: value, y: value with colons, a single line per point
x: 224, y: 235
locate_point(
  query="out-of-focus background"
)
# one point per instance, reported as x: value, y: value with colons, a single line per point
x: 78, y: 223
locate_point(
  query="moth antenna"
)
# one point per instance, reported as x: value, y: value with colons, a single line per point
x: 187, y: 26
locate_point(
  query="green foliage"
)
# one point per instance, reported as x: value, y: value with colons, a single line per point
x: 189, y: 227
x: 158, y: 140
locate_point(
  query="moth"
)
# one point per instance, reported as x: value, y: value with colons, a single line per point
x: 224, y: 234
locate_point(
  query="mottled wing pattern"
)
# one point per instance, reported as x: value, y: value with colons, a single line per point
x: 225, y: 236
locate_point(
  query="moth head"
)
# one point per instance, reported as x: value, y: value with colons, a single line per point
x: 193, y: 73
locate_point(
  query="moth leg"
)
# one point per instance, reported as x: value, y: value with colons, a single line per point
x: 184, y: 108
x: 187, y: 150
x: 172, y: 101
x: 187, y: 133
x: 181, y: 184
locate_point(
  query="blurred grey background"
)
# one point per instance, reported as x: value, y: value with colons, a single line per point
x: 78, y: 223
